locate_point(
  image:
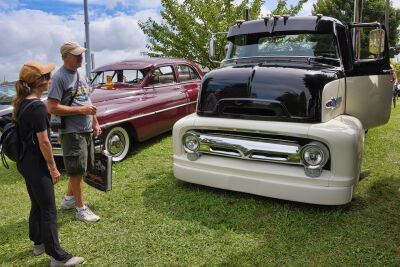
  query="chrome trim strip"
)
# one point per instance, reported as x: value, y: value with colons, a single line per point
x: 190, y: 81
x: 145, y: 115
x: 250, y: 148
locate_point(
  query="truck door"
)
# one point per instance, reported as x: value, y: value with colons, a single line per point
x: 369, y: 85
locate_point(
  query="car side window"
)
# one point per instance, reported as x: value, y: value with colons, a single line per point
x: 186, y: 73
x: 162, y: 75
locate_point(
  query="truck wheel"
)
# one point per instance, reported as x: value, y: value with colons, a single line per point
x: 117, y: 143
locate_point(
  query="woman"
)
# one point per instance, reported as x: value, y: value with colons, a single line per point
x: 37, y: 165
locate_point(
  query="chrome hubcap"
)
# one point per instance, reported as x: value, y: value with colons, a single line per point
x: 116, y: 143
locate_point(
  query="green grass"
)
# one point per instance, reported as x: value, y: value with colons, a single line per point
x: 152, y: 219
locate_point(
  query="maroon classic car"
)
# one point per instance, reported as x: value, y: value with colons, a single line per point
x: 141, y: 98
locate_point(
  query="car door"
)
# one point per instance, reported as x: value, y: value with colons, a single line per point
x: 170, y: 99
x: 369, y: 85
x: 190, y: 83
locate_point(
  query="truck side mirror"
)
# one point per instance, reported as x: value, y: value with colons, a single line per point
x: 211, y: 47
x: 377, y: 42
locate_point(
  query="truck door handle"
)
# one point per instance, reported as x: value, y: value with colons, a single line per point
x: 388, y: 71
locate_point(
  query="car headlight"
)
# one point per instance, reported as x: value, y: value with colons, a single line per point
x: 314, y: 156
x: 191, y: 145
x: 190, y: 142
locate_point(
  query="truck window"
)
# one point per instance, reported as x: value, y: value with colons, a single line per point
x: 314, y: 45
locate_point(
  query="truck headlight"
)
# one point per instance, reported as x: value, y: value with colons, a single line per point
x: 191, y: 145
x: 314, y: 156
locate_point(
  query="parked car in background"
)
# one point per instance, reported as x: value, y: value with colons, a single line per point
x: 139, y: 99
x: 7, y: 92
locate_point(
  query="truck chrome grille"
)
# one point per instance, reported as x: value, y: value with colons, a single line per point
x: 249, y: 147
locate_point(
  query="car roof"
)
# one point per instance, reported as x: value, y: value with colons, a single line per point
x: 140, y: 63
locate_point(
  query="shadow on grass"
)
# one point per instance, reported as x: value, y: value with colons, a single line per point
x: 140, y: 146
x: 229, y: 210
x: 286, y: 230
x: 20, y: 259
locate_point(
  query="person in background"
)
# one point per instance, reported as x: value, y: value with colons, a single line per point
x: 37, y: 165
x: 395, y: 83
x: 80, y: 124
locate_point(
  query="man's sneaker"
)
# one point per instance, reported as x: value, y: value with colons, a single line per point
x: 70, y: 204
x: 71, y: 262
x: 38, y: 249
x: 86, y: 215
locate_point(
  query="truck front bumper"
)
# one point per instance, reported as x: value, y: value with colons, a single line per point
x: 343, y: 136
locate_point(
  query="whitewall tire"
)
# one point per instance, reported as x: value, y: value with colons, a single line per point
x: 117, y: 143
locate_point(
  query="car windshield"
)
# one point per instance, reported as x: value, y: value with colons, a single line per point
x: 132, y: 77
x: 7, y: 92
x: 307, y: 45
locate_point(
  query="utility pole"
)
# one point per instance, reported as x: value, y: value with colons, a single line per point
x: 387, y: 11
x: 87, y: 43
x: 357, y: 18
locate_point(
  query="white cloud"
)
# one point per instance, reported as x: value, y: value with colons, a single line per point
x: 144, y: 4
x: 37, y: 35
x: 396, y: 3
x: 8, y: 4
x: 109, y: 4
x: 265, y: 11
x: 307, y: 8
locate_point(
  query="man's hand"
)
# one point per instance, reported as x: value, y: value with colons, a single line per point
x: 96, y: 129
x: 88, y: 110
x: 96, y: 126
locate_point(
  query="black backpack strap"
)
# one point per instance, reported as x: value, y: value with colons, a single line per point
x: 30, y: 134
x: 26, y: 106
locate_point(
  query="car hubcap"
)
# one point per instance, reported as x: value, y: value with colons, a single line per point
x: 116, y: 143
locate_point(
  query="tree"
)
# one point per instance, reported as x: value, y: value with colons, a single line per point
x: 373, y: 10
x: 186, y: 28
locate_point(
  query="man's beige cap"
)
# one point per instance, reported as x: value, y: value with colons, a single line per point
x: 33, y: 70
x: 72, y: 47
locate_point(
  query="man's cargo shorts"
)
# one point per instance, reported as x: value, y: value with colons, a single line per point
x: 78, y: 150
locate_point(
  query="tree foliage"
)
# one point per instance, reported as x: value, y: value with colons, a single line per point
x: 373, y: 10
x: 186, y: 28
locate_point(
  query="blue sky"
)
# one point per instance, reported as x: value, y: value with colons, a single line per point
x: 35, y: 29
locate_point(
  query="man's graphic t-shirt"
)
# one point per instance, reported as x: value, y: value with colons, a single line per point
x: 65, y: 84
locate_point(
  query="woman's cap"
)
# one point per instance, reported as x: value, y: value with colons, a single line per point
x: 33, y: 70
x: 72, y: 48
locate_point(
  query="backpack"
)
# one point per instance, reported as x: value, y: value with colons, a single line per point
x: 11, y: 143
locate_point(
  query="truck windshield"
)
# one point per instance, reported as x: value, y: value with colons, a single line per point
x: 307, y: 45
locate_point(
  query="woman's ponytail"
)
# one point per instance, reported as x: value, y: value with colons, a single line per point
x: 23, y: 90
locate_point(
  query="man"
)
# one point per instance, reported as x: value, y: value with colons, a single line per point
x: 80, y: 123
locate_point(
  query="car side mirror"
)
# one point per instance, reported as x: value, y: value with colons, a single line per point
x: 211, y: 46
x: 377, y: 42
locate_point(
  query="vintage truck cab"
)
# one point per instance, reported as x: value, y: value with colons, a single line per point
x: 286, y: 114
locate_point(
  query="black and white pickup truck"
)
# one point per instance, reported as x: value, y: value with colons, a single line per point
x: 286, y: 114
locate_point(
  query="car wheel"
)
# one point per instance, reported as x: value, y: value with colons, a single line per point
x: 117, y: 143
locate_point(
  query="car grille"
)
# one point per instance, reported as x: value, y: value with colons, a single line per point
x: 249, y: 147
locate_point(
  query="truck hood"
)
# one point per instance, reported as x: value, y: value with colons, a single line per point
x: 102, y: 93
x: 273, y: 91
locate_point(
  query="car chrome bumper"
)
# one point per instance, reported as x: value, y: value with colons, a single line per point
x: 236, y: 146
